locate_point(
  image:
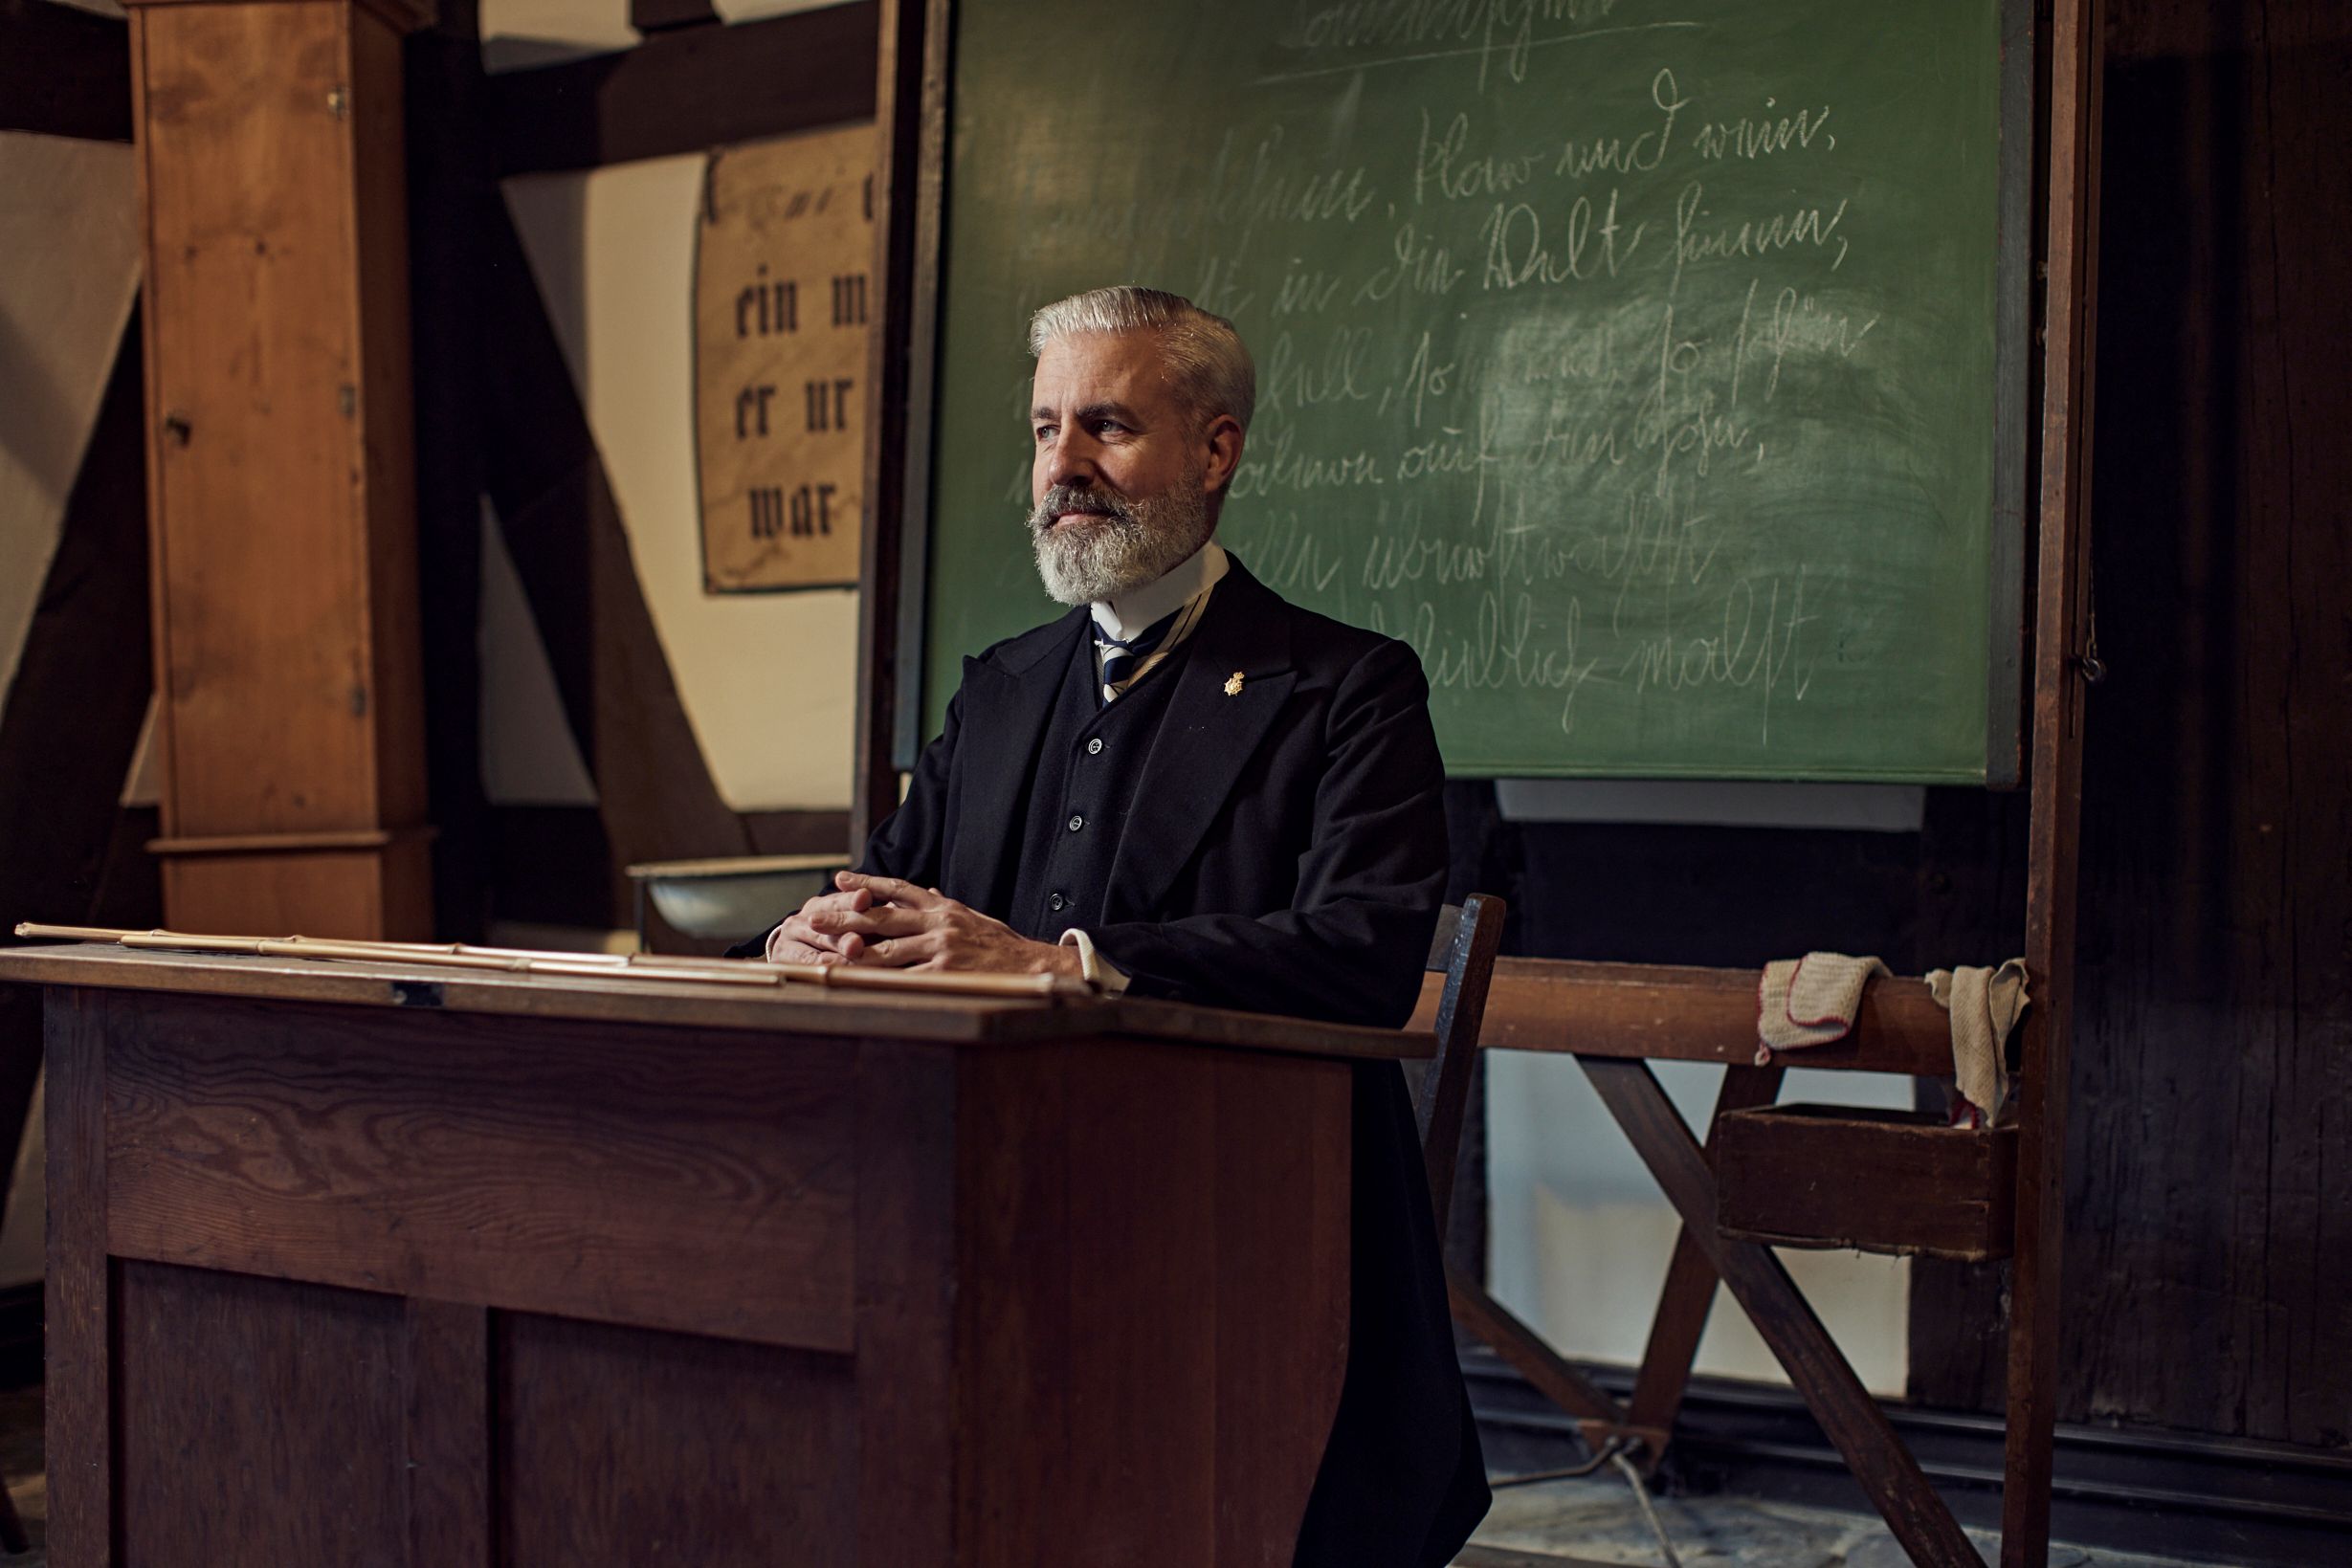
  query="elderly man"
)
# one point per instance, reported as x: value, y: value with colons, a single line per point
x: 1187, y: 787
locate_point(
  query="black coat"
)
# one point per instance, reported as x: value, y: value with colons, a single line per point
x: 1285, y: 853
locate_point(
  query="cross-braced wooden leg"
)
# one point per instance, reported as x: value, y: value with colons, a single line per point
x: 1688, y: 1294
x: 1852, y: 1419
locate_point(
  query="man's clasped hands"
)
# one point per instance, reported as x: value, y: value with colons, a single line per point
x: 886, y: 923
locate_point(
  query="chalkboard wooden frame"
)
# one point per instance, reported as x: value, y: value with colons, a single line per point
x: 914, y: 67
x: 2016, y: 392
x: 911, y: 71
x: 2008, y: 431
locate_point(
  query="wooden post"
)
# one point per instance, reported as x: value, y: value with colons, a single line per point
x: 283, y: 505
x: 910, y: 127
x: 2060, y: 680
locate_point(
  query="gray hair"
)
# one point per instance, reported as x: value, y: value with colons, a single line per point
x: 1204, y: 356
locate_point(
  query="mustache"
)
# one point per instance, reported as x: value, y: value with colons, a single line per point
x: 1094, y: 498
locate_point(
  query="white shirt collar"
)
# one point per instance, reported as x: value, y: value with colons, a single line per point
x: 1132, y: 613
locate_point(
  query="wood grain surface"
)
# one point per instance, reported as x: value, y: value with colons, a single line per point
x: 619, y: 1445
x: 301, y: 1384
x: 385, y: 412
x: 1157, y: 1312
x: 359, y: 893
x: 2062, y: 636
x: 265, y: 488
x: 280, y: 451
x: 619, y: 1174
x: 253, y: 483
x: 1140, y: 1137
x: 1677, y: 1013
x: 76, y: 1289
x: 1017, y: 1168
x: 1898, y: 1181
x: 2208, y: 1206
x: 1277, y: 1396
x: 913, y: 1409
x: 448, y: 1458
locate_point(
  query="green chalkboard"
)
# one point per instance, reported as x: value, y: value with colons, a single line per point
x: 1654, y: 367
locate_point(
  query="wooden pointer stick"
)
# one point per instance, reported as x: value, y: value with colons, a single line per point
x: 582, y: 965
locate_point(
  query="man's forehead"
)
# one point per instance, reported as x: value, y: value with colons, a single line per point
x: 1131, y: 359
x: 1087, y: 408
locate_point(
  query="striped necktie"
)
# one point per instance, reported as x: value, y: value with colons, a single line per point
x: 1123, y: 663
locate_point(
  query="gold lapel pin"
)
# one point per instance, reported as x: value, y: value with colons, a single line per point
x: 1232, y: 684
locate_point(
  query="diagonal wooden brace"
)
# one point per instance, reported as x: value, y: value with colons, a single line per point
x: 1689, y: 1293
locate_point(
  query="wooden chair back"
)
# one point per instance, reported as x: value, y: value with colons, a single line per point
x: 1468, y: 937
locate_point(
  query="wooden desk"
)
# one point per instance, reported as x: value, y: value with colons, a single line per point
x: 362, y: 1264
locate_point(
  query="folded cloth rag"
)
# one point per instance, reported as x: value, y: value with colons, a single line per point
x: 1808, y: 1000
x: 1984, y: 1005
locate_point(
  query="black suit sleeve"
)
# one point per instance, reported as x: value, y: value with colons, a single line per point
x: 1352, y: 945
x: 911, y: 844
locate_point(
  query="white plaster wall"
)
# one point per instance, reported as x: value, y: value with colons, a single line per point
x: 69, y: 268
x: 768, y: 681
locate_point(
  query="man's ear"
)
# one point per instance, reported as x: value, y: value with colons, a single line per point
x: 1223, y: 439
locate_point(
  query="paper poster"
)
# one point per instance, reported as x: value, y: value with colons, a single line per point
x: 785, y: 243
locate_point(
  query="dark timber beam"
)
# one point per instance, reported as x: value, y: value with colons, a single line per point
x: 453, y: 200
x: 686, y: 90
x: 70, y: 720
x: 910, y: 155
x: 652, y: 16
x: 68, y: 724
x: 64, y: 72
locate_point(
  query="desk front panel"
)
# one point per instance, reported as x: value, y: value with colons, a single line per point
x: 366, y: 1285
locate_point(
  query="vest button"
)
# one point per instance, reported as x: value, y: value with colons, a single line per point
x: 1093, y: 747
x: 1077, y: 821
x: 1056, y: 901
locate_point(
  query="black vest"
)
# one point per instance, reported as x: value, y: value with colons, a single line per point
x: 1089, y: 766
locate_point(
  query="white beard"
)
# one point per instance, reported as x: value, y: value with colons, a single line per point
x: 1134, y: 543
